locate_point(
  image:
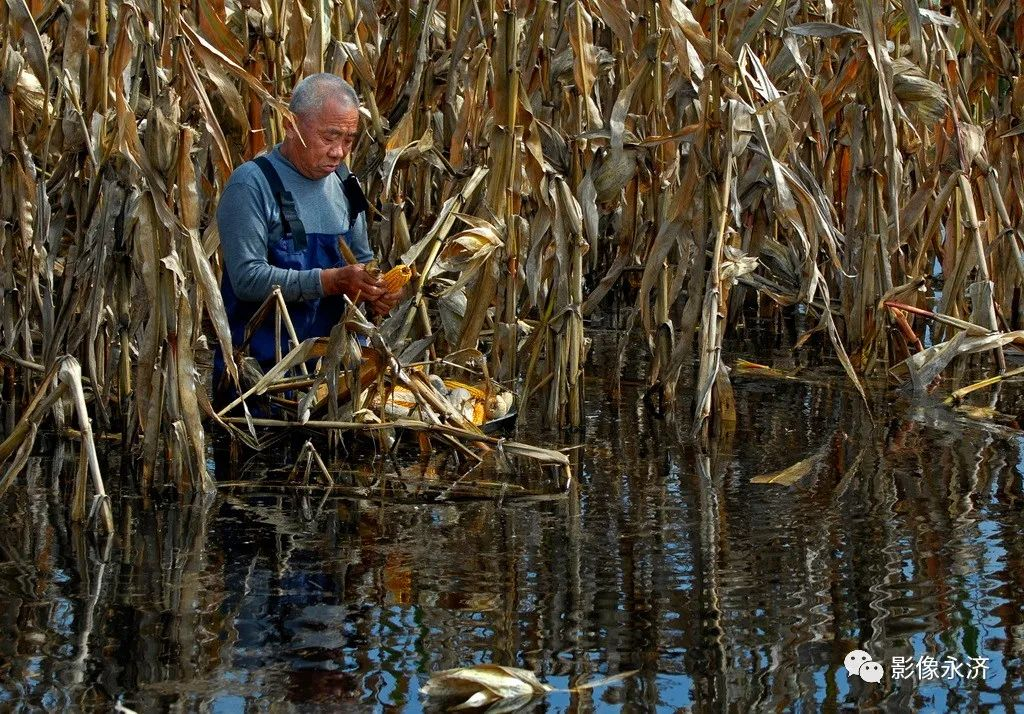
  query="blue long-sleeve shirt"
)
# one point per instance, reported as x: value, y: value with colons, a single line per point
x: 248, y: 218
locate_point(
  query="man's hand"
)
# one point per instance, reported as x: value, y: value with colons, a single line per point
x: 353, y: 281
x: 386, y: 302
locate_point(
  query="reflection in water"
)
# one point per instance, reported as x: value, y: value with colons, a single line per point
x: 905, y: 541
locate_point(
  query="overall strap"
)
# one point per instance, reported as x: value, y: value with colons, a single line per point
x: 357, y: 202
x: 290, y: 221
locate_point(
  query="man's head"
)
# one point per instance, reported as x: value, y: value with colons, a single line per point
x: 326, y: 109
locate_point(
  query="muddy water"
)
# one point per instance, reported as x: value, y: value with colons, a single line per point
x: 904, y: 540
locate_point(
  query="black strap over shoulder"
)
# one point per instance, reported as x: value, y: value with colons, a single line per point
x: 290, y: 221
x: 357, y: 202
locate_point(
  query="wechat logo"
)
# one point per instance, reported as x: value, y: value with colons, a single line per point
x: 859, y: 663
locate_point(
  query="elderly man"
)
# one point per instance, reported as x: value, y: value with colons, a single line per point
x: 281, y: 218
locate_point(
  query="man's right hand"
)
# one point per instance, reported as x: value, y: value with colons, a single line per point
x: 351, y: 280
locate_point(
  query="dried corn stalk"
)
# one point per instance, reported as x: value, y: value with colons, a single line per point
x: 841, y: 145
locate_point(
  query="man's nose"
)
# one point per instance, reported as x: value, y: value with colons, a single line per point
x: 339, y: 150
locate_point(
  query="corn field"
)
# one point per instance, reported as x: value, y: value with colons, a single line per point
x: 860, y: 162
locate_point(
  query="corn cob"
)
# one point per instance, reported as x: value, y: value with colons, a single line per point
x: 474, y: 391
x: 396, y: 278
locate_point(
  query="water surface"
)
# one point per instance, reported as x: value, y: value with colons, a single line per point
x: 905, y: 540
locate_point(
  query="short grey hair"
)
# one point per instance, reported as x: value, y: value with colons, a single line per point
x: 310, y: 94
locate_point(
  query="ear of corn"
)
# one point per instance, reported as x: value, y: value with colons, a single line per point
x: 397, y: 278
x: 475, y: 392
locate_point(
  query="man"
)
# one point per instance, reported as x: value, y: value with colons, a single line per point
x: 282, y: 215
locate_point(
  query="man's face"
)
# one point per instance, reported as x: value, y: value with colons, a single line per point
x: 329, y: 133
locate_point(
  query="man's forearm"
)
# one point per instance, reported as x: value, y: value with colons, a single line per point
x: 254, y: 279
x: 243, y: 238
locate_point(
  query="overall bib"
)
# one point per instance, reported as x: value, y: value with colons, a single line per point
x: 297, y: 250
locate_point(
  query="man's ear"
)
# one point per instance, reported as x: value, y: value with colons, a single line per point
x: 291, y: 128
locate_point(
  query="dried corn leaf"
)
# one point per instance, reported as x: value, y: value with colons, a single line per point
x: 37, y: 55
x: 791, y: 474
x: 926, y: 365
x: 821, y: 29
x: 483, y: 684
x: 468, y: 251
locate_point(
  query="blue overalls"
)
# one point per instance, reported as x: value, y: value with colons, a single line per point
x: 297, y: 250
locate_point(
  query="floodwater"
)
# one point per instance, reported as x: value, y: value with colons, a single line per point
x: 904, y: 540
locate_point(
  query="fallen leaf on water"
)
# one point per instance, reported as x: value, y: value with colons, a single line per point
x: 483, y: 684
x: 987, y: 414
x: 746, y: 367
x: 790, y: 475
x: 603, y: 681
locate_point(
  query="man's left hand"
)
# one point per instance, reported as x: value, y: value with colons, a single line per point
x: 386, y: 303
